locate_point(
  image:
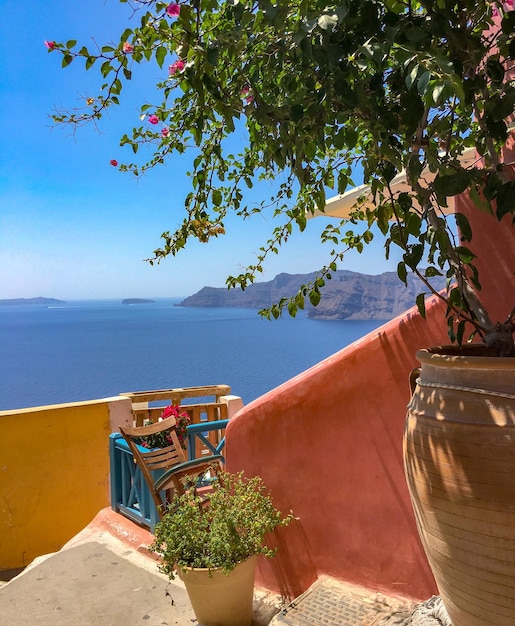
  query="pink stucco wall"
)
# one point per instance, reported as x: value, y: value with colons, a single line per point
x: 328, y: 444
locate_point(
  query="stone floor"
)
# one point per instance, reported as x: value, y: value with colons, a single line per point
x: 105, y: 577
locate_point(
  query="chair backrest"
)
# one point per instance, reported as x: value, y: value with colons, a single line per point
x: 198, y: 413
x: 154, y: 459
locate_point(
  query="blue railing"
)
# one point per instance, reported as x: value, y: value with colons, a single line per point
x: 130, y: 495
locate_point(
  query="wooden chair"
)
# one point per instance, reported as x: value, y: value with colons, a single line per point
x: 178, y: 474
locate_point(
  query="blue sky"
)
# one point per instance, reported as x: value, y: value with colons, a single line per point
x: 71, y: 225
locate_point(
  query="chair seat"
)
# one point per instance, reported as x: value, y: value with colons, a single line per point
x: 188, y: 468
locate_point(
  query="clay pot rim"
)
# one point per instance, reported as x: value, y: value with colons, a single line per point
x: 475, y: 354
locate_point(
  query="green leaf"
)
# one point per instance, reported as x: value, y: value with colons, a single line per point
x: 451, y: 184
x: 450, y: 332
x: 297, y: 112
x: 116, y: 87
x: 413, y: 224
x: 301, y: 221
x: 161, y: 53
x: 105, y: 68
x: 413, y: 257
x: 402, y: 273
x: 421, y: 305
x: 411, y: 77
x: 464, y: 227
x: 67, y: 59
x: 437, y: 92
x: 422, y: 82
x: 495, y: 70
x: 459, y: 332
x: 292, y: 308
x: 217, y: 197
x: 506, y: 199
x: 466, y: 255
x: 455, y: 298
x: 314, y: 297
x: 212, y: 55
x: 432, y: 271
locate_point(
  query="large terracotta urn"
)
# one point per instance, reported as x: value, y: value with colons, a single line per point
x: 459, y: 454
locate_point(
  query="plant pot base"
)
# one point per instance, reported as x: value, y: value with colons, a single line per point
x: 219, y: 599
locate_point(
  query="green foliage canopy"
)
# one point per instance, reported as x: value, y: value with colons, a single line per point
x: 322, y: 88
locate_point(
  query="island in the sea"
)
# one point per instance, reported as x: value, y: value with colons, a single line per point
x: 137, y: 301
x: 347, y: 296
x: 39, y: 300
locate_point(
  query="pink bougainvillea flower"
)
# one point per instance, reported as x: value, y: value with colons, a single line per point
x: 153, y: 119
x: 178, y: 66
x: 165, y: 131
x: 246, y: 94
x: 50, y: 44
x: 127, y: 47
x: 509, y: 3
x: 173, y: 9
x: 114, y: 162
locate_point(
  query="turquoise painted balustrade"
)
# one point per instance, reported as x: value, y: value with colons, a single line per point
x: 130, y: 495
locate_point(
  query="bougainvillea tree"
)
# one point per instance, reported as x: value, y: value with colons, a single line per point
x: 320, y: 89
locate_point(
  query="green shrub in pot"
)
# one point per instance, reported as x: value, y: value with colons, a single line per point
x: 231, y: 528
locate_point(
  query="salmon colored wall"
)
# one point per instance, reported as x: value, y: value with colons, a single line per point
x: 328, y: 444
x: 54, y: 474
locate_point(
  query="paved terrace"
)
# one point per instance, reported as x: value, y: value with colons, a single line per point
x: 105, y: 576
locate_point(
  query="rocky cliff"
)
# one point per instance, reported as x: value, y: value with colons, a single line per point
x: 348, y: 295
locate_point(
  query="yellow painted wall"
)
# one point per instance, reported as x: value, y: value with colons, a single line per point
x: 54, y: 474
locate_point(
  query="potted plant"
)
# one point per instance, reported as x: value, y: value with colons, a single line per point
x: 324, y: 92
x: 214, y: 548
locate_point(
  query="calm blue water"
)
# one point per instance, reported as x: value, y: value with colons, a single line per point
x: 84, y: 350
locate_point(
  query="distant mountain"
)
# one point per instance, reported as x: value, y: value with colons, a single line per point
x: 45, y: 301
x: 348, y: 295
x: 136, y: 301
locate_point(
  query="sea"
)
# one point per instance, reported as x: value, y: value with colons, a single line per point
x: 91, y: 349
